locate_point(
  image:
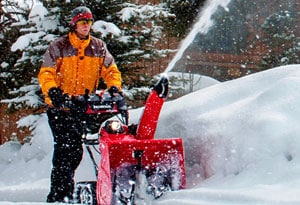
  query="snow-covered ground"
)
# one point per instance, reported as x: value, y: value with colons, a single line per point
x: 241, y: 145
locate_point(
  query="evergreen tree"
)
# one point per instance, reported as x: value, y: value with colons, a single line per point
x: 282, y: 39
x: 10, y: 13
x: 186, y: 12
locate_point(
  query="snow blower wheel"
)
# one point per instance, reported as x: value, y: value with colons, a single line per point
x: 86, y: 193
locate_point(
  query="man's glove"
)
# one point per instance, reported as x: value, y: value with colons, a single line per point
x: 56, y: 96
x: 121, y: 102
x: 113, y: 90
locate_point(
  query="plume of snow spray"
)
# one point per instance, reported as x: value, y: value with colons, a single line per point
x: 201, y: 26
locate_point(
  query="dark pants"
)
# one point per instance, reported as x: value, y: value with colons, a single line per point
x: 67, y: 153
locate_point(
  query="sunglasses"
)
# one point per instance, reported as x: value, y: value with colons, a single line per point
x: 83, y: 22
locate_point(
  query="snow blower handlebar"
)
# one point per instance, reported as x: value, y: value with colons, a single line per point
x: 101, y: 104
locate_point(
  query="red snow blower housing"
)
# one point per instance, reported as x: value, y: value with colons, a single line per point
x: 134, y: 166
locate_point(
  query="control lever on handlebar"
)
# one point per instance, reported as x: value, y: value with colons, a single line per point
x: 93, y: 109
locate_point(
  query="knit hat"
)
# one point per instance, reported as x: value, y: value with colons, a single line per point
x: 80, y: 13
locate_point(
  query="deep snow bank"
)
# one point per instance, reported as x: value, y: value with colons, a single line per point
x: 248, y: 125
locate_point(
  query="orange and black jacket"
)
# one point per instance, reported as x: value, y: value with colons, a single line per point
x: 75, y: 65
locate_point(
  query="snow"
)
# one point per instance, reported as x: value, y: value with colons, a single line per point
x: 142, y: 11
x: 190, y: 82
x: 30, y: 98
x: 24, y: 41
x: 127, y: 13
x: 240, y: 138
x: 37, y: 16
x: 106, y: 28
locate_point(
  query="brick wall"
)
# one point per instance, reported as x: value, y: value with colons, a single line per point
x: 8, y: 124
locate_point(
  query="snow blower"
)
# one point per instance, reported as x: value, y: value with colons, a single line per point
x: 134, y: 166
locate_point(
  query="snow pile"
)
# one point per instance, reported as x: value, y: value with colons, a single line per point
x: 189, y: 82
x: 241, y: 145
x: 241, y: 134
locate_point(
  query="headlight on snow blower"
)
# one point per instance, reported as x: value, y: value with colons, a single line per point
x: 114, y: 127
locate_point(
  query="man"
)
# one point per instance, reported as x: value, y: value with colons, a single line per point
x: 72, y: 64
